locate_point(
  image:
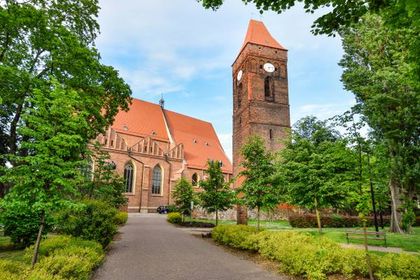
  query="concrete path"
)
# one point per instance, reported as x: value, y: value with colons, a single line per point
x: 151, y: 249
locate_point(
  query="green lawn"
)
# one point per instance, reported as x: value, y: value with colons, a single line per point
x: 407, y: 242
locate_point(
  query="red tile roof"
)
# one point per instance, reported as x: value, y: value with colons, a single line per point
x: 198, y: 137
x: 258, y: 34
x: 200, y: 141
x: 143, y: 119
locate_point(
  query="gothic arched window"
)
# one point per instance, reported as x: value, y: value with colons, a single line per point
x: 269, y: 88
x: 194, y: 179
x: 239, y: 95
x: 128, y: 177
x: 157, y: 180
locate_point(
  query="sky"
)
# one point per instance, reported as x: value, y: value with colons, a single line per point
x: 179, y: 50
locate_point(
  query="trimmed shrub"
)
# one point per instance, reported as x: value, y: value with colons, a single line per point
x: 196, y: 224
x: 332, y: 221
x: 95, y: 221
x: 64, y: 257
x: 9, y: 269
x: 61, y: 258
x: 398, y: 266
x: 174, y: 218
x: 316, y: 258
x: 121, y: 218
x: 235, y: 236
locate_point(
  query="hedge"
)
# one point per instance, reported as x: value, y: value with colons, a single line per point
x: 174, y: 218
x: 333, y: 221
x: 121, y: 218
x: 60, y: 257
x: 301, y: 254
x: 95, y: 221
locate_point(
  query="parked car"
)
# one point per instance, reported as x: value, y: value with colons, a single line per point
x: 163, y: 209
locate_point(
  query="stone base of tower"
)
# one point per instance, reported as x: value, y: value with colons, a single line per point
x: 241, y: 215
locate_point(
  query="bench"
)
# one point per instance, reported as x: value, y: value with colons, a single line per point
x: 370, y: 235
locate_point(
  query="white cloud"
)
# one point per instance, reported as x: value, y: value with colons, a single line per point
x: 179, y: 39
x: 321, y: 111
x: 226, y: 141
x: 163, y: 47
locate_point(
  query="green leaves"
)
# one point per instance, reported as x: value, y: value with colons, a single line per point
x: 216, y: 194
x: 183, y: 195
x: 315, y: 166
x: 257, y: 189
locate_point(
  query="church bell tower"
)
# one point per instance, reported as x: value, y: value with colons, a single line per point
x: 260, y: 95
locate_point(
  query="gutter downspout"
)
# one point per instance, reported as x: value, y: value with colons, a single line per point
x: 172, y: 144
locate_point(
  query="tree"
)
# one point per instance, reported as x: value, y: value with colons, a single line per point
x: 342, y: 14
x: 217, y: 194
x: 44, y: 39
x: 379, y: 70
x: 102, y: 182
x: 316, y: 168
x: 55, y: 137
x: 183, y: 196
x: 257, y: 189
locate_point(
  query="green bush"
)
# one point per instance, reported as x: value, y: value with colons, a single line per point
x: 398, y: 266
x: 95, y: 221
x: 10, y: 269
x: 60, y: 258
x: 302, y: 254
x: 332, y: 221
x: 174, y: 217
x: 21, y: 223
x: 235, y: 236
x: 64, y: 257
x: 121, y: 218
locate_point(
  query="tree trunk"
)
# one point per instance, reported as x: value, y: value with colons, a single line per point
x: 217, y: 217
x: 395, y: 206
x: 367, y: 252
x: 241, y: 215
x: 258, y: 218
x: 38, y: 240
x: 318, y: 216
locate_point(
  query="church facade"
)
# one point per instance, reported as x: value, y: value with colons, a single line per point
x: 260, y: 95
x: 153, y: 147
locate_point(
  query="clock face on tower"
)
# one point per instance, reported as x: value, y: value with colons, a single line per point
x: 239, y: 76
x: 268, y: 67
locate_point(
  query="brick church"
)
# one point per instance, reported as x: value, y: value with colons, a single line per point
x: 153, y: 147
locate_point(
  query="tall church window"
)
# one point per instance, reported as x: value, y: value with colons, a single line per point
x: 269, y: 88
x: 239, y: 95
x: 157, y: 180
x: 194, y: 179
x: 128, y: 177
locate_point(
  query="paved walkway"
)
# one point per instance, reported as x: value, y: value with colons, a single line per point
x: 149, y: 248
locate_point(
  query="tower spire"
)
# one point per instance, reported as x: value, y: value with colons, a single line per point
x: 258, y: 34
x: 162, y: 101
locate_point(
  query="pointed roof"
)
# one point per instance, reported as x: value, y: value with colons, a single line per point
x: 199, y: 138
x: 258, y: 34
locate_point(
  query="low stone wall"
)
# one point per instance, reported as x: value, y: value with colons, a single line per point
x: 276, y: 214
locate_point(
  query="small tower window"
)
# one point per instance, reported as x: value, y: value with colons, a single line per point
x: 269, y: 88
x: 239, y: 95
